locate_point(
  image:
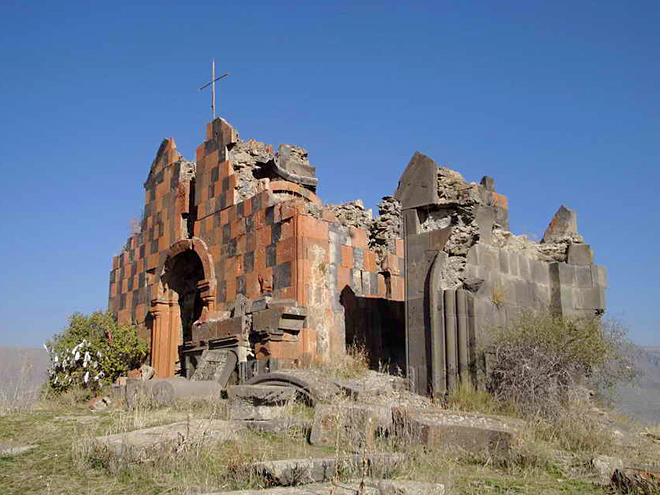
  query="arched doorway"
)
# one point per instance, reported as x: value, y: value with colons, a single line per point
x: 183, y: 277
x: 186, y: 294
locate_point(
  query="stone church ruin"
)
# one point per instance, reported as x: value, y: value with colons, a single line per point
x: 238, y: 268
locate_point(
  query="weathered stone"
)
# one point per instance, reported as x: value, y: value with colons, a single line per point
x: 139, y: 442
x: 164, y: 391
x: 579, y: 254
x: 605, y: 466
x: 416, y: 185
x: 349, y: 426
x: 304, y: 471
x: 562, y: 224
x: 405, y: 487
x: 280, y: 425
x: 448, y: 429
x: 258, y: 395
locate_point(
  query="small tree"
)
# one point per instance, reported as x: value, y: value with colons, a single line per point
x: 91, y: 351
x: 537, y: 359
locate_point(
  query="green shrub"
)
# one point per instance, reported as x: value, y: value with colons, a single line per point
x: 536, y: 361
x: 93, y: 350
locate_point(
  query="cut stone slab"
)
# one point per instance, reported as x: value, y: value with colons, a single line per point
x: 245, y: 412
x: 563, y: 223
x: 279, y: 425
x: 291, y: 472
x: 261, y: 395
x: 404, y: 487
x: 468, y: 431
x: 6, y: 450
x: 164, y: 391
x: 259, y: 402
x: 352, y: 487
x: 349, y: 425
x: 197, y: 430
x: 311, y: 385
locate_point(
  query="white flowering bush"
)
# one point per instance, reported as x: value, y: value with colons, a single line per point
x: 93, y: 350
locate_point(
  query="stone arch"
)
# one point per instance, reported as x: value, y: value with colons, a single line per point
x: 186, y: 293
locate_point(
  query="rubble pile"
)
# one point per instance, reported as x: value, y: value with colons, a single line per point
x: 352, y: 214
x: 386, y: 228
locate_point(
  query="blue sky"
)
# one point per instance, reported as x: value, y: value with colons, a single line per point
x: 558, y: 100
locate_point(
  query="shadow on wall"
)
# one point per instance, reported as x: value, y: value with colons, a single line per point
x: 379, y: 325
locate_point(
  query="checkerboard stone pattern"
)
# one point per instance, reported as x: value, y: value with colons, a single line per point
x: 264, y: 245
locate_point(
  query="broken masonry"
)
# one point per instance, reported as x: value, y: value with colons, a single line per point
x: 239, y: 269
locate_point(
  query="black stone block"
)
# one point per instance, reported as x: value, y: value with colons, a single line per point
x: 240, y: 285
x: 275, y: 233
x: 249, y: 224
x: 256, y: 203
x: 270, y: 215
x: 226, y: 233
x: 232, y: 247
x: 248, y: 262
x: 214, y: 174
x: 240, y: 209
x: 282, y: 276
x: 270, y: 256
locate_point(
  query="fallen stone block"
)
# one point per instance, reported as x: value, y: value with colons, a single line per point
x: 352, y: 487
x: 246, y: 412
x: 280, y: 425
x: 139, y: 442
x: 164, y: 391
x: 261, y: 395
x: 292, y: 472
x: 441, y: 429
x: 349, y: 426
x: 404, y: 487
x: 259, y: 402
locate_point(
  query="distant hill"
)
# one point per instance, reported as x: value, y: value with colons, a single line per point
x: 22, y: 372
x: 642, y: 402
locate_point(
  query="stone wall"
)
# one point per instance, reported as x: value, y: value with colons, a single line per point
x: 465, y: 273
x: 228, y: 241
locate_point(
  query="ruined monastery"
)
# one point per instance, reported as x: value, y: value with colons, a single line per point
x: 238, y: 268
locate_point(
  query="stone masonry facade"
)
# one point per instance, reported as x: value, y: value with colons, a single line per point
x: 237, y: 264
x: 235, y: 249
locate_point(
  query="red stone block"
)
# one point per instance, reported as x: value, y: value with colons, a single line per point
x: 286, y: 229
x: 347, y: 257
x: 238, y: 227
x: 311, y: 227
x: 343, y: 278
x: 252, y: 284
x: 358, y: 238
x: 328, y: 216
x: 212, y: 159
x: 400, y: 248
x: 369, y: 260
x: 286, y: 250
x: 225, y: 170
x: 241, y: 244
x: 315, y: 249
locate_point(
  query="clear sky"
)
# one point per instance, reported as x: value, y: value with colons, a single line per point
x: 558, y: 100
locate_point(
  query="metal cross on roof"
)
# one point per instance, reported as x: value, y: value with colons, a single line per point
x: 212, y: 84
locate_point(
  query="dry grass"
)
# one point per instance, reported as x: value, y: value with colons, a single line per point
x: 354, y: 363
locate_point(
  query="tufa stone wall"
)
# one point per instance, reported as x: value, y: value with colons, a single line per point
x: 236, y: 252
